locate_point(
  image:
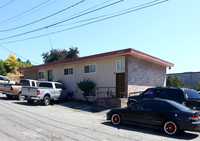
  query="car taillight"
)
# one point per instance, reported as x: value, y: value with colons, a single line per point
x: 11, y: 88
x: 38, y: 92
x: 194, y: 117
x: 184, y: 103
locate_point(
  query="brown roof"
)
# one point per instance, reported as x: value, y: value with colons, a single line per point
x: 129, y: 51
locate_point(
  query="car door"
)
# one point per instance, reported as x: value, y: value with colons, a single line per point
x: 58, y: 91
x: 159, y: 112
x: 139, y: 113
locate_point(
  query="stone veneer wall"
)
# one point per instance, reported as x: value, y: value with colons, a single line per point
x: 143, y: 74
x: 111, y: 102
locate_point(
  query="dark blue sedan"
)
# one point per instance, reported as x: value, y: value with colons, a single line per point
x: 168, y: 115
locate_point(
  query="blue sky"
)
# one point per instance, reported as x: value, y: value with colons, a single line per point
x: 169, y: 31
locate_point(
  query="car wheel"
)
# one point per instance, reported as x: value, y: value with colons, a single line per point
x: 116, y: 119
x: 20, y: 97
x: 170, y: 128
x: 46, y: 100
x: 30, y: 101
x: 9, y: 96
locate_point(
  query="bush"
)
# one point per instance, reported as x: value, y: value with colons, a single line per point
x: 86, y: 86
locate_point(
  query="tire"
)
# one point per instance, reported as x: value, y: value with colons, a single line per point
x: 20, y: 97
x: 170, y: 128
x: 30, y: 101
x: 9, y: 96
x: 116, y: 119
x: 46, y: 100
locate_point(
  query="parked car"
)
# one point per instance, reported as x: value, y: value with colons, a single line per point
x: 14, y: 90
x: 46, y: 92
x: 164, y: 114
x: 185, y: 96
x: 5, y: 80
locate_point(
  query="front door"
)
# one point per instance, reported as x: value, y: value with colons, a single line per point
x: 50, y: 75
x: 120, y: 84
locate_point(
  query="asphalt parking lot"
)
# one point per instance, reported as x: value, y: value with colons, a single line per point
x: 66, y: 121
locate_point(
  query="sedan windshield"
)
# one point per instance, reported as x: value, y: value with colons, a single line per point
x: 179, y: 106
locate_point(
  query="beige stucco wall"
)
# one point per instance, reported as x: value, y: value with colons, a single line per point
x: 31, y: 74
x: 139, y: 74
x: 105, y: 75
x: 143, y: 74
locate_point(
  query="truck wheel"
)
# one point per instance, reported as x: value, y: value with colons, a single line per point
x: 20, y: 97
x: 9, y: 96
x: 46, y: 100
x: 30, y: 101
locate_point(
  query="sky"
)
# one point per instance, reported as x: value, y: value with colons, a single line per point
x: 166, y: 29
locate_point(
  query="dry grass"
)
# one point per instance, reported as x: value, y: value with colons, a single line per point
x: 15, y: 77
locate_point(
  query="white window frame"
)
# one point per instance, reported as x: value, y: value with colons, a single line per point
x: 122, y: 68
x: 43, y: 77
x: 89, y: 68
x: 69, y: 74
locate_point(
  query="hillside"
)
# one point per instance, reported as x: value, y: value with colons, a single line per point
x: 15, y: 77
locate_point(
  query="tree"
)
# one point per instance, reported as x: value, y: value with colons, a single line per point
x: 197, y: 87
x: 72, y: 53
x: 11, y: 64
x: 22, y: 64
x: 2, y: 68
x: 174, y: 82
x: 60, y: 55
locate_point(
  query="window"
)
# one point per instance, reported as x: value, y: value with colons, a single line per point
x: 41, y: 75
x: 68, y: 71
x: 58, y: 86
x: 47, y: 85
x: 33, y: 84
x: 90, y: 68
x: 120, y: 65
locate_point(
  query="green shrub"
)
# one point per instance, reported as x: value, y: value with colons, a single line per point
x: 2, y: 68
x: 86, y: 86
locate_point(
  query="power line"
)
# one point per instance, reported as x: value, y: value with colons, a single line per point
x: 23, y: 13
x: 17, y: 54
x: 106, y: 15
x: 7, y: 4
x: 28, y: 32
x: 130, y: 10
x: 22, y: 26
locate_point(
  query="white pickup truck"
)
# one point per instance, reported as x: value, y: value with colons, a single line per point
x: 14, y: 90
x: 46, y: 92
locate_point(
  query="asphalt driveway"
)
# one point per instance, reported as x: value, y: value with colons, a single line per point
x: 65, y: 121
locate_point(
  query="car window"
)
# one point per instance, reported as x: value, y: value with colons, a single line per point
x: 163, y: 106
x: 25, y: 82
x: 143, y: 105
x: 192, y: 94
x: 174, y: 94
x: 159, y: 93
x: 148, y: 93
x: 33, y: 83
x: 48, y: 85
x: 58, y: 86
x: 179, y: 106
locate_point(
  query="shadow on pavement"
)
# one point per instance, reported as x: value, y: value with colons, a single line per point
x: 182, y: 135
